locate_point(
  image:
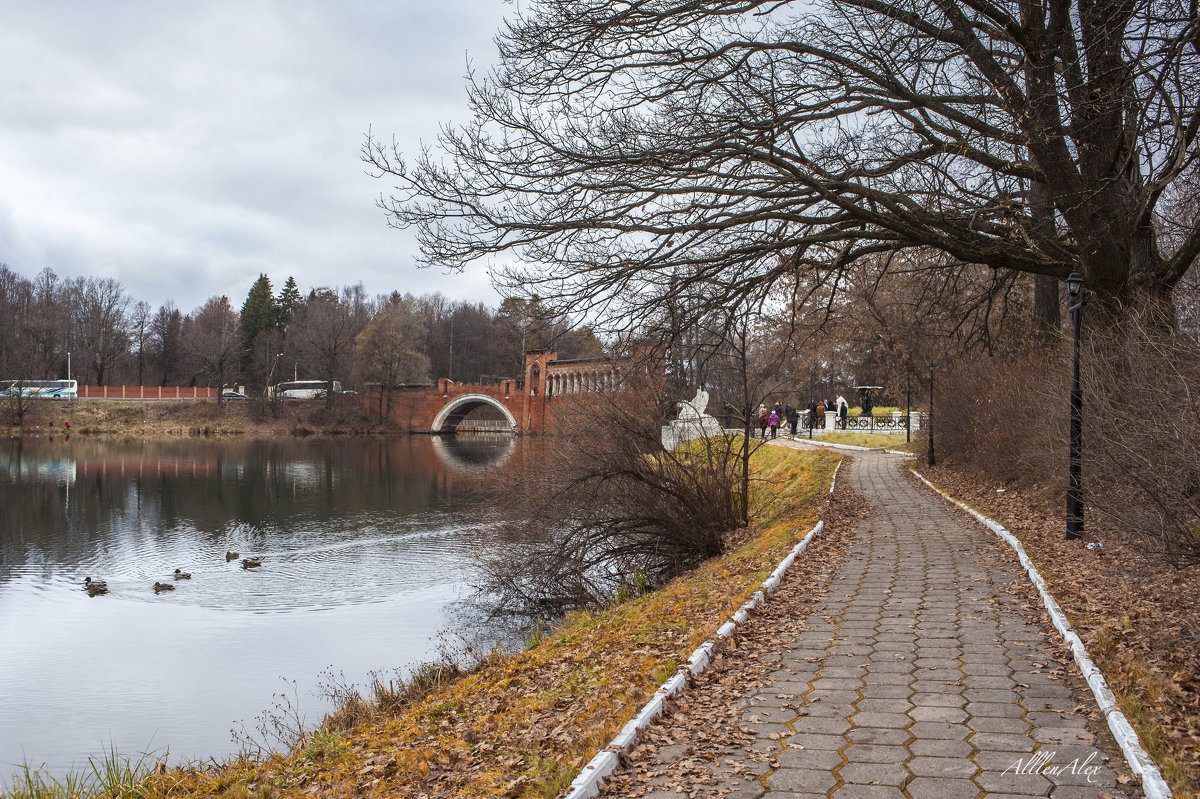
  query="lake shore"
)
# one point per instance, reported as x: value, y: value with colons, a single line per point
x: 523, y: 723
x: 148, y: 419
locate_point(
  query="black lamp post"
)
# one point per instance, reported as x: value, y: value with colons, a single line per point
x: 929, y: 418
x: 1077, y: 297
x: 907, y: 400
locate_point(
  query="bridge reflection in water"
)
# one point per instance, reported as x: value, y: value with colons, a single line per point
x: 364, y: 560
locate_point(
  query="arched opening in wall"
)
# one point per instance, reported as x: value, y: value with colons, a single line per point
x: 483, y: 418
x: 483, y: 413
x: 534, y: 377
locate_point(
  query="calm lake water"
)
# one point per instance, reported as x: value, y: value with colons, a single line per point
x: 364, y: 564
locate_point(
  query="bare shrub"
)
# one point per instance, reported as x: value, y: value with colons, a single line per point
x: 608, y: 510
x: 1007, y: 417
x: 386, y: 696
x: 1003, y: 415
x: 1143, y: 437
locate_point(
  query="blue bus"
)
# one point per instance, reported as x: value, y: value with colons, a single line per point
x: 44, y: 389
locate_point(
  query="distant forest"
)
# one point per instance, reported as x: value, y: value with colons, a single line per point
x: 329, y: 333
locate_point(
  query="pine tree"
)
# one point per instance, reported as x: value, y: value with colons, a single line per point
x: 288, y: 302
x: 258, y: 312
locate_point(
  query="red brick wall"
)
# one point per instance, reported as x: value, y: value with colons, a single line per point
x: 147, y: 392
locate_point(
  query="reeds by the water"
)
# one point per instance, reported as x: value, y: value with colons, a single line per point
x: 111, y: 774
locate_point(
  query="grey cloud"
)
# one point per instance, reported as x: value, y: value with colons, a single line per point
x: 184, y: 148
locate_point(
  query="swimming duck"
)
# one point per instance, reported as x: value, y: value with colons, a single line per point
x: 182, y: 575
x: 251, y: 563
x: 95, y: 587
x: 231, y: 556
x: 163, y: 587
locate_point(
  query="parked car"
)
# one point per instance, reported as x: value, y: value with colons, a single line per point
x: 233, y: 395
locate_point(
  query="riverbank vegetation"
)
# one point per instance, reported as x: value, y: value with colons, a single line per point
x: 183, y: 418
x: 518, y: 724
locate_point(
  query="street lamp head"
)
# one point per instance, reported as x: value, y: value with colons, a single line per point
x: 1074, y: 284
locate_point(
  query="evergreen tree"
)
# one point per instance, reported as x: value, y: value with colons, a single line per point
x: 258, y: 312
x: 288, y: 302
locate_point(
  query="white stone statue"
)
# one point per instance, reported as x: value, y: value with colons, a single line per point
x: 695, y: 408
x: 692, y: 422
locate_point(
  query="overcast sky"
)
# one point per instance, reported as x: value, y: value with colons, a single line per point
x: 182, y: 148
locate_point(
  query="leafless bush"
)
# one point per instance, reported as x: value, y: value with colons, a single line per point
x: 1140, y: 397
x: 386, y: 695
x: 1003, y: 415
x: 1007, y: 417
x: 608, y: 509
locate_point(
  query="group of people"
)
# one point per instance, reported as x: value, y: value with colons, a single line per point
x: 772, y: 419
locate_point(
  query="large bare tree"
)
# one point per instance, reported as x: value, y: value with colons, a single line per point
x: 623, y: 149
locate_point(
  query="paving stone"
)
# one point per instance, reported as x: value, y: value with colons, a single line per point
x: 950, y: 685
x: 938, y: 700
x: 989, y: 681
x: 998, y: 724
x: 831, y: 725
x: 885, y: 691
x: 874, y: 774
x: 940, y: 748
x: 958, y: 767
x: 989, y: 695
x: 941, y: 788
x: 874, y: 753
x: 1067, y: 735
x: 874, y: 719
x: 1002, y: 742
x: 939, y: 730
x: 1042, y: 718
x: 948, y: 714
x: 854, y: 791
x: 887, y: 678
x: 814, y: 740
x: 1007, y: 709
x: 843, y: 672
x: 828, y: 710
x: 826, y: 759
x: 879, y: 735
x: 801, y: 779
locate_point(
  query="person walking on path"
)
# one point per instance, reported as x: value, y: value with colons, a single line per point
x: 773, y: 423
x: 921, y: 667
x: 763, y: 421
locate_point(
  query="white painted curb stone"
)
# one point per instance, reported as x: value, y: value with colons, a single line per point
x: 588, y: 783
x: 1135, y: 755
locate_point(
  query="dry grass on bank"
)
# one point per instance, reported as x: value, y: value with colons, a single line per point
x: 523, y: 725
x: 1135, y: 614
x: 183, y: 418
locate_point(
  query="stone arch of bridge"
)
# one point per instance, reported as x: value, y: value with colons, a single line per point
x: 449, y: 416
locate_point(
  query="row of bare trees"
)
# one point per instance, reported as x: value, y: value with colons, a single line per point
x: 338, y: 334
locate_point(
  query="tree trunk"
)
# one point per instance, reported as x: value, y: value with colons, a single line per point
x: 1047, y: 307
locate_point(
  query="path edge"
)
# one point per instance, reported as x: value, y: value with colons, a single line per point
x: 1136, y: 757
x: 587, y: 784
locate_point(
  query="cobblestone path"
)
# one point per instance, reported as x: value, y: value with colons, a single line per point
x: 916, y: 676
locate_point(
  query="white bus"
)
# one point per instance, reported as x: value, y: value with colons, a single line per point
x: 305, y: 389
x: 45, y: 389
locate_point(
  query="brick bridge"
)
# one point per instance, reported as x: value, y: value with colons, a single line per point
x: 550, y: 387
